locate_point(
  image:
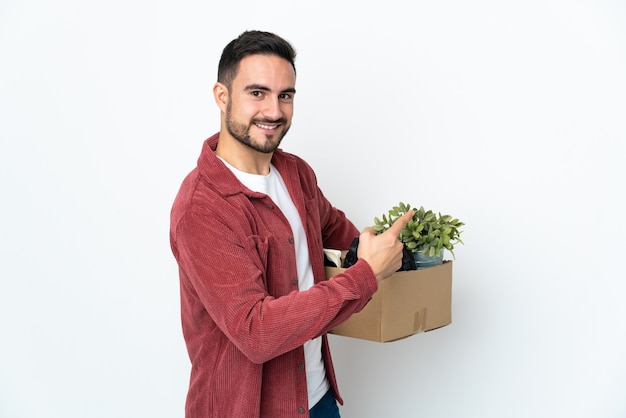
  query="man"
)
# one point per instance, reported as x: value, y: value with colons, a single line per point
x: 248, y: 228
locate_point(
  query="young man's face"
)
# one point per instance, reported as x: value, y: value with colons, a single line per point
x: 260, y: 104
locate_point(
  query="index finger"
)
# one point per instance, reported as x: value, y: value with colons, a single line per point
x: 400, y: 223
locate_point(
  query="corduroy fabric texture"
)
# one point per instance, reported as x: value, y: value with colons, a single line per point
x: 243, y: 318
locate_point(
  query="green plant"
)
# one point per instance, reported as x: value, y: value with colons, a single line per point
x: 426, y: 231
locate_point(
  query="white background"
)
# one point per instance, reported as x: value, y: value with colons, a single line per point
x: 508, y: 115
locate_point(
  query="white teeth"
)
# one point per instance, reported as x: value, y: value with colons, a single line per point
x: 266, y: 126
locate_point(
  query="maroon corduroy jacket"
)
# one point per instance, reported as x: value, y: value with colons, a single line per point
x: 243, y: 318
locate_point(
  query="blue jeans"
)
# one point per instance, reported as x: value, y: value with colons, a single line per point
x: 326, y: 407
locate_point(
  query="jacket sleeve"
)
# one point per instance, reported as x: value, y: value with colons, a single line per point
x: 223, y: 276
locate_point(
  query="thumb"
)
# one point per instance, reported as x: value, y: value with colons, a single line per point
x: 368, y: 230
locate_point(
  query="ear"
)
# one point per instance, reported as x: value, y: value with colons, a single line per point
x: 220, y: 94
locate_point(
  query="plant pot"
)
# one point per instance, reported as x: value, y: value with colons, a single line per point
x: 423, y: 261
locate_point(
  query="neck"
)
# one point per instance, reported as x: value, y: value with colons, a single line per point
x: 241, y: 156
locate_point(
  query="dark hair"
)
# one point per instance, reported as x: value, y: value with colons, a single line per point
x: 252, y: 43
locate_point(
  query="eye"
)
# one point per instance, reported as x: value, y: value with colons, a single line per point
x: 257, y: 93
x: 286, y: 97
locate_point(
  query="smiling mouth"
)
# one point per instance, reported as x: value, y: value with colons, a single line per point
x: 270, y: 127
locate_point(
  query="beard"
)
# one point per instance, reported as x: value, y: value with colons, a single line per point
x: 241, y: 132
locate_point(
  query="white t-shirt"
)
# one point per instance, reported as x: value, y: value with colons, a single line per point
x: 274, y: 186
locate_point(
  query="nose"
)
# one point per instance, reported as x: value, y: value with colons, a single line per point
x: 272, y: 108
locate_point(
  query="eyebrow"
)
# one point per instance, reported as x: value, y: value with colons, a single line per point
x: 264, y: 88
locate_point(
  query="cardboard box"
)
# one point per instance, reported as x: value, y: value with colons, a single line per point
x: 407, y: 303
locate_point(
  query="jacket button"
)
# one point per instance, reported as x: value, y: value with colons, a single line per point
x: 294, y: 282
x: 301, y: 410
x: 300, y: 366
x: 270, y: 206
x: 290, y: 240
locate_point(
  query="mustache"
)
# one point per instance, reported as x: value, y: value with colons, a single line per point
x: 271, y: 121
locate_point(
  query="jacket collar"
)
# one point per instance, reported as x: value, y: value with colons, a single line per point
x: 211, y: 167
